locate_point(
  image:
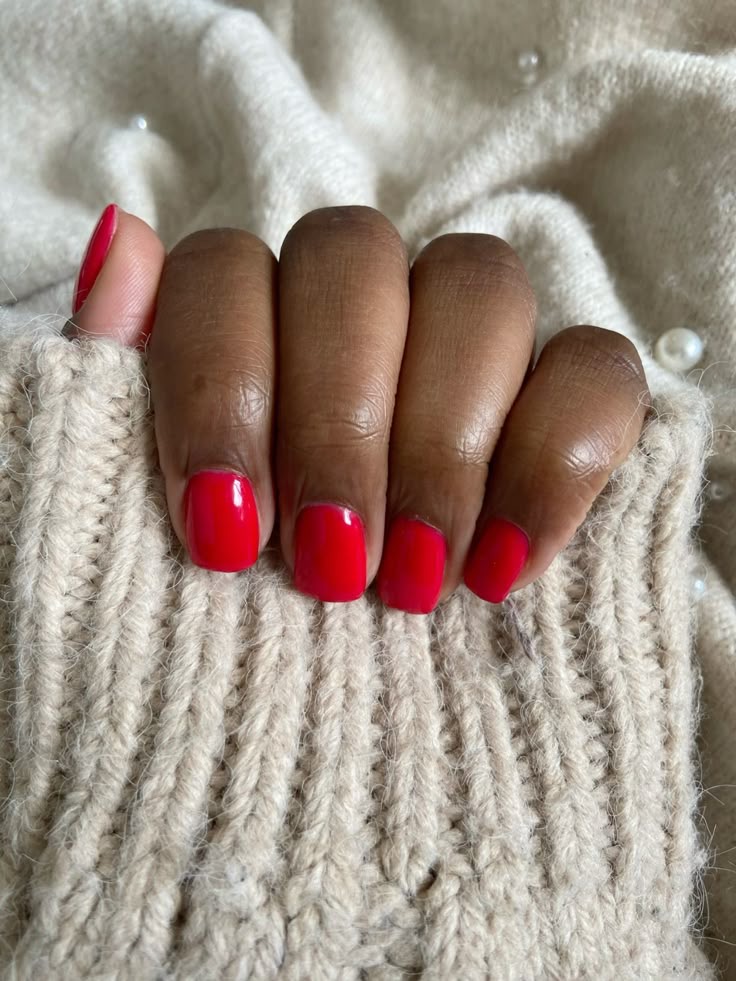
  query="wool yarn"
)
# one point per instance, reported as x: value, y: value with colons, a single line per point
x: 210, y: 776
x: 595, y: 137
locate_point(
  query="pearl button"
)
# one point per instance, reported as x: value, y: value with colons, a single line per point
x: 699, y: 583
x: 529, y: 64
x: 678, y: 349
x: 139, y: 122
x: 699, y: 587
x: 717, y: 491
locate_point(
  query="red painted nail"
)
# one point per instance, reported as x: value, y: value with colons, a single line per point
x: 497, y: 560
x: 221, y: 520
x: 412, y: 566
x: 329, y: 549
x: 95, y: 255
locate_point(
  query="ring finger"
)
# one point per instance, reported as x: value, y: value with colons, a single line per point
x: 469, y: 344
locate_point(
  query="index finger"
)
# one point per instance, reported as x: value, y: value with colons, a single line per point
x: 211, y: 365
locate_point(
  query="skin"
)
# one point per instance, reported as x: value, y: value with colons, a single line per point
x: 338, y: 373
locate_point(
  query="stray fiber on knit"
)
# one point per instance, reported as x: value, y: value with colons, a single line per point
x: 211, y: 776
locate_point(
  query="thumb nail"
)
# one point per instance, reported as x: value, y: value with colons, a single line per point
x: 95, y: 255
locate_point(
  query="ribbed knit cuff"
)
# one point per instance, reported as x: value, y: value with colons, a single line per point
x: 211, y: 776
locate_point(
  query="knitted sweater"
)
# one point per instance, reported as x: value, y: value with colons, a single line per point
x: 210, y: 776
x: 214, y: 776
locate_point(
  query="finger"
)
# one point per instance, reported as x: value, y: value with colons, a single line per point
x: 211, y: 366
x: 344, y: 305
x: 470, y: 340
x: 115, y: 292
x: 575, y: 421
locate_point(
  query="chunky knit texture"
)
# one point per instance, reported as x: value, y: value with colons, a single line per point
x: 213, y: 776
x: 612, y: 174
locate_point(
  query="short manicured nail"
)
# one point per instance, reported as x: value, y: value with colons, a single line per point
x: 496, y: 561
x: 221, y: 521
x: 329, y: 553
x: 95, y: 255
x: 413, y: 566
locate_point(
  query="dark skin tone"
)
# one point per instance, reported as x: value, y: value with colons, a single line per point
x: 339, y: 373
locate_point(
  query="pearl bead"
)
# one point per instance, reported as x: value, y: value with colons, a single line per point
x: 699, y: 580
x: 679, y: 349
x: 717, y: 491
x: 139, y: 122
x: 528, y: 64
x: 699, y: 587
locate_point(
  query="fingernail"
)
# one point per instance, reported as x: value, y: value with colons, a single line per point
x: 412, y: 566
x: 221, y: 521
x: 329, y: 553
x: 496, y: 561
x: 95, y: 255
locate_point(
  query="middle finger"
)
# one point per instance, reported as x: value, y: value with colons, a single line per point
x: 343, y: 314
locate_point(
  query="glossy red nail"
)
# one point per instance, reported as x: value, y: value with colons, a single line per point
x: 496, y: 561
x: 95, y: 255
x: 221, y: 521
x: 329, y: 553
x: 412, y: 566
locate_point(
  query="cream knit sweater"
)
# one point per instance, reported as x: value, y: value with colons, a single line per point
x: 214, y: 777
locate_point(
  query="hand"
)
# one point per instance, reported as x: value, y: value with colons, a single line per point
x: 374, y: 397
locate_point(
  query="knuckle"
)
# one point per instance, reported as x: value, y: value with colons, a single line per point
x: 573, y: 469
x: 252, y: 401
x: 231, y: 400
x: 471, y: 245
x: 474, y: 262
x: 338, y: 426
x: 448, y: 448
x: 572, y: 460
x: 580, y: 463
x: 228, y: 241
x: 602, y: 351
x: 356, y: 225
x: 470, y: 450
x: 473, y: 250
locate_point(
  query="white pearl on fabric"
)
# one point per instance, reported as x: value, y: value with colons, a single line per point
x: 679, y: 349
x: 528, y: 64
x: 139, y: 122
x: 717, y: 491
x: 699, y: 588
x: 699, y: 584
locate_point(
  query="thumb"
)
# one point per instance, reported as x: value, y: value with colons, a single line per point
x: 115, y: 292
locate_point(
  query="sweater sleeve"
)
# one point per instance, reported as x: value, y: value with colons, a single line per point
x: 215, y: 776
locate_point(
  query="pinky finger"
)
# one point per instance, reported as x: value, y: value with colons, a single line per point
x: 576, y: 419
